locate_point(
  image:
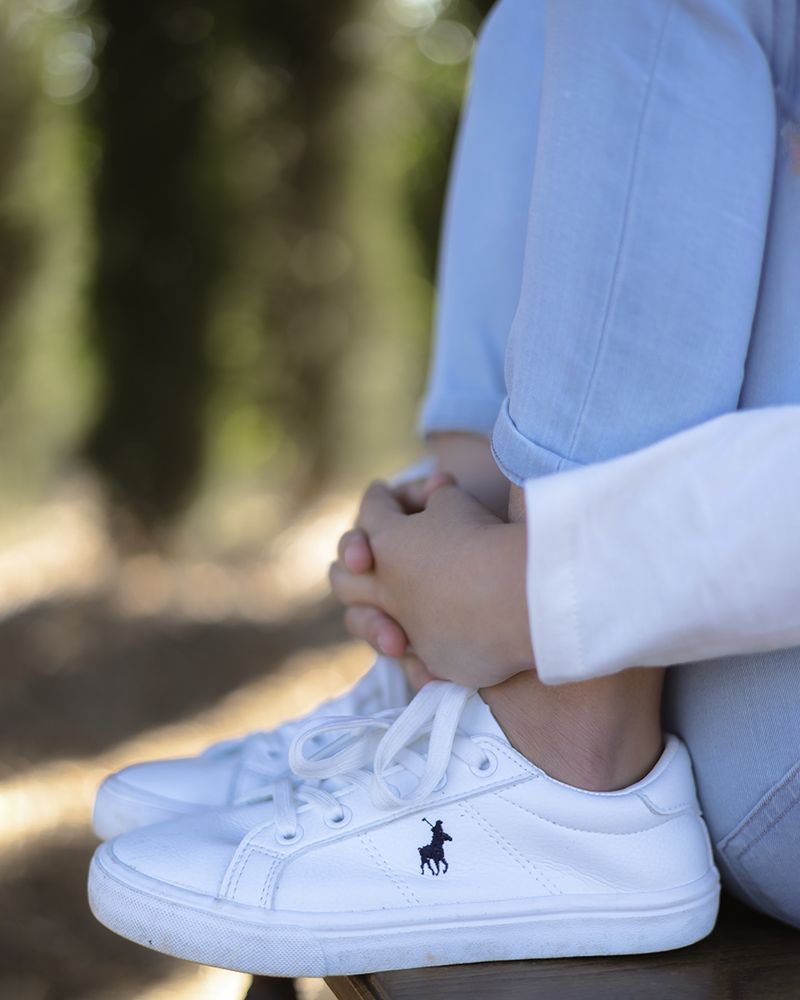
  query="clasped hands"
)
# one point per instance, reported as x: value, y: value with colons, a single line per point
x: 431, y: 576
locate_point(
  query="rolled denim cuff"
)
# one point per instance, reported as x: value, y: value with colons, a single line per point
x: 518, y: 457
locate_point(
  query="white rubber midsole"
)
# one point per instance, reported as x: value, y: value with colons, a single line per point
x: 252, y: 939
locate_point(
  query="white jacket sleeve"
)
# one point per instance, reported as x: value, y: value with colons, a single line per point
x: 686, y: 550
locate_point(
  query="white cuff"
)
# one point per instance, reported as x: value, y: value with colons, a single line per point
x: 551, y: 584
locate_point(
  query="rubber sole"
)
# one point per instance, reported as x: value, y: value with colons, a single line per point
x: 264, y: 942
x: 118, y: 809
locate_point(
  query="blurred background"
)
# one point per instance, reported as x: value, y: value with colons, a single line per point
x: 218, y: 232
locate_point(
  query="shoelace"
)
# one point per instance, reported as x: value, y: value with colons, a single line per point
x: 263, y: 752
x: 368, y: 752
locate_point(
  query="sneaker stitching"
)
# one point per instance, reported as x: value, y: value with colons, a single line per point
x: 246, y: 854
x: 271, y: 878
x: 681, y: 807
x: 469, y: 811
x: 514, y: 758
x: 224, y: 885
x: 577, y: 829
x: 240, y: 867
x: 408, y: 894
x: 403, y: 812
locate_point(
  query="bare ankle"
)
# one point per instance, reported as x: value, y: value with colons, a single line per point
x: 516, y: 504
x: 600, y: 735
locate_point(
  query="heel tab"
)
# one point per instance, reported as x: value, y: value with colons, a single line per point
x: 669, y: 789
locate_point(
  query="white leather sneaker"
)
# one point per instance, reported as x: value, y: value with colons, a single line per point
x: 164, y: 789
x: 421, y: 838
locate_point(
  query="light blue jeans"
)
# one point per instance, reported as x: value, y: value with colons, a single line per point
x: 620, y: 261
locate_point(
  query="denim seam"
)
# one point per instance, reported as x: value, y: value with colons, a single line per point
x: 735, y: 857
x: 624, y: 229
x: 789, y: 778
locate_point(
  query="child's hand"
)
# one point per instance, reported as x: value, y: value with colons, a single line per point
x: 365, y: 621
x: 449, y: 580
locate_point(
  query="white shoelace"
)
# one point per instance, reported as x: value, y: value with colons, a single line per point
x: 264, y: 751
x: 368, y: 752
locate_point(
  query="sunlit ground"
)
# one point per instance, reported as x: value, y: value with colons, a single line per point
x: 60, y: 560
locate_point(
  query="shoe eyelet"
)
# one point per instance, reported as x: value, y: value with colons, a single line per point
x: 285, y: 841
x: 487, y: 768
x: 336, y: 823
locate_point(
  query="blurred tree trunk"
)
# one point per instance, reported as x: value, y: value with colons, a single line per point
x: 165, y: 223
x: 306, y: 318
x: 160, y: 239
x: 158, y: 253
x: 18, y: 240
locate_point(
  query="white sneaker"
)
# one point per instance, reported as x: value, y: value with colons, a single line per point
x: 424, y: 839
x: 165, y: 789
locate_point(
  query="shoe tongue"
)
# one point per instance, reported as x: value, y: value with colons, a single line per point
x: 477, y: 720
x: 385, y: 686
x: 394, y: 683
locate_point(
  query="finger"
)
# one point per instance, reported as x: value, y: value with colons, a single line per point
x: 436, y: 482
x: 352, y: 588
x: 354, y: 551
x: 378, y: 629
x: 414, y: 496
x: 377, y: 507
x: 417, y: 674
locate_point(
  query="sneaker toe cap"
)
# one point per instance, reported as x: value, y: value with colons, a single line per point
x: 192, y: 852
x: 148, y: 793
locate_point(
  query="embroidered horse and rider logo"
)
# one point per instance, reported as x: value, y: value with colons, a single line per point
x: 433, y: 853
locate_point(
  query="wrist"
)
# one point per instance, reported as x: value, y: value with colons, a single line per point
x: 468, y: 458
x: 505, y: 558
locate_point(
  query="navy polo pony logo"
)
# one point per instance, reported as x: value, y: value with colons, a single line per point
x: 433, y: 853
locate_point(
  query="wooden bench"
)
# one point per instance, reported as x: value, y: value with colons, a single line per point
x: 748, y: 957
